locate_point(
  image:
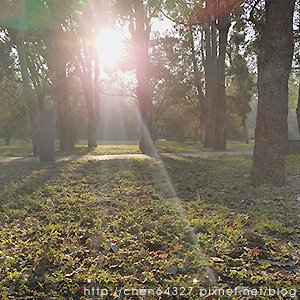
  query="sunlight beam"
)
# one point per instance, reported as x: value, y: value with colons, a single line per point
x: 110, y: 47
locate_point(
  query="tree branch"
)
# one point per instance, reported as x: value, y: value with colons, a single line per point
x: 252, y: 18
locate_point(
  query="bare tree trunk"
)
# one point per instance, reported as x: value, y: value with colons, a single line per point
x: 298, y: 111
x: 198, y: 84
x: 65, y: 122
x: 215, y: 48
x: 7, y: 137
x: 211, y: 84
x: 274, y: 65
x: 92, y: 142
x: 144, y: 95
x: 221, y: 107
x: 92, y: 121
x: 31, y: 103
x: 89, y: 77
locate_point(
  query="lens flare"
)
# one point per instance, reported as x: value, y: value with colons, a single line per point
x: 110, y: 47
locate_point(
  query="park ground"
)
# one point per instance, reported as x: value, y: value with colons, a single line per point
x: 21, y: 148
x: 182, y: 221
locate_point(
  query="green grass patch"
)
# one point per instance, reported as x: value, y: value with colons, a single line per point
x: 145, y: 224
x: 16, y: 149
x: 20, y: 148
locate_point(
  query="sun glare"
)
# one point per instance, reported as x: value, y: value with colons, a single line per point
x: 110, y: 47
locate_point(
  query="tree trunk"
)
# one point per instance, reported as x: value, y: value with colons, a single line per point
x: 220, y: 102
x: 31, y: 103
x: 274, y: 67
x: 7, y: 137
x: 141, y: 39
x: 64, y: 110
x: 247, y: 134
x: 211, y: 84
x: 94, y: 114
x: 91, y: 90
x: 198, y: 84
x: 92, y: 120
x: 65, y: 122
x: 298, y: 111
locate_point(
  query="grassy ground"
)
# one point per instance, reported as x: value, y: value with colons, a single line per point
x: 16, y: 149
x: 24, y: 149
x: 186, y: 222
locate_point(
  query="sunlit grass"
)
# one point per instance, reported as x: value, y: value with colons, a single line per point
x: 20, y: 148
x: 117, y: 222
x: 17, y: 148
x: 240, y: 146
x: 103, y: 149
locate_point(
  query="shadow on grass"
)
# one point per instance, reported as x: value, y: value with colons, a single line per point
x: 19, y: 178
x: 226, y: 182
x: 77, y: 151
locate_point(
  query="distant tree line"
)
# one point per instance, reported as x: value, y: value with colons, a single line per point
x: 196, y: 80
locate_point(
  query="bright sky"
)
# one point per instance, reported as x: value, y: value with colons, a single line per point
x: 111, y: 46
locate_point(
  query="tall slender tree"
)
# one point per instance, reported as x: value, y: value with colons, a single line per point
x: 60, y: 42
x: 298, y: 111
x: 29, y: 95
x: 140, y: 29
x: 88, y: 64
x: 214, y: 19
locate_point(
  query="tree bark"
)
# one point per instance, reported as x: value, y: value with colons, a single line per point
x: 7, y: 137
x: 298, y: 111
x: 220, y: 102
x: 274, y: 67
x: 95, y: 114
x: 65, y: 122
x: 198, y: 84
x: 215, y: 128
x: 91, y: 91
x: 92, y: 88
x: 93, y: 118
x: 211, y: 84
x: 144, y: 95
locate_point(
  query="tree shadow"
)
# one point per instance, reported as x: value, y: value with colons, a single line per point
x: 23, y: 177
x: 226, y: 181
x: 76, y: 151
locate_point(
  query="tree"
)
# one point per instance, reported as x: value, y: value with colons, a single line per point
x: 140, y: 30
x: 60, y: 41
x: 274, y: 67
x: 216, y: 35
x: 176, y: 100
x: 298, y: 110
x: 139, y: 14
x: 88, y: 65
x: 214, y: 19
x: 12, y: 109
x: 240, y: 80
x: 30, y: 99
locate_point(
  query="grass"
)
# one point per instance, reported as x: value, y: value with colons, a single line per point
x: 19, y: 148
x: 143, y: 223
x: 16, y: 149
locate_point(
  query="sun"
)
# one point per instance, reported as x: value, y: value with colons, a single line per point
x: 110, y: 47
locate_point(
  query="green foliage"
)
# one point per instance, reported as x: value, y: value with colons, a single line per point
x: 12, y: 107
x: 36, y: 14
x: 240, y: 79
